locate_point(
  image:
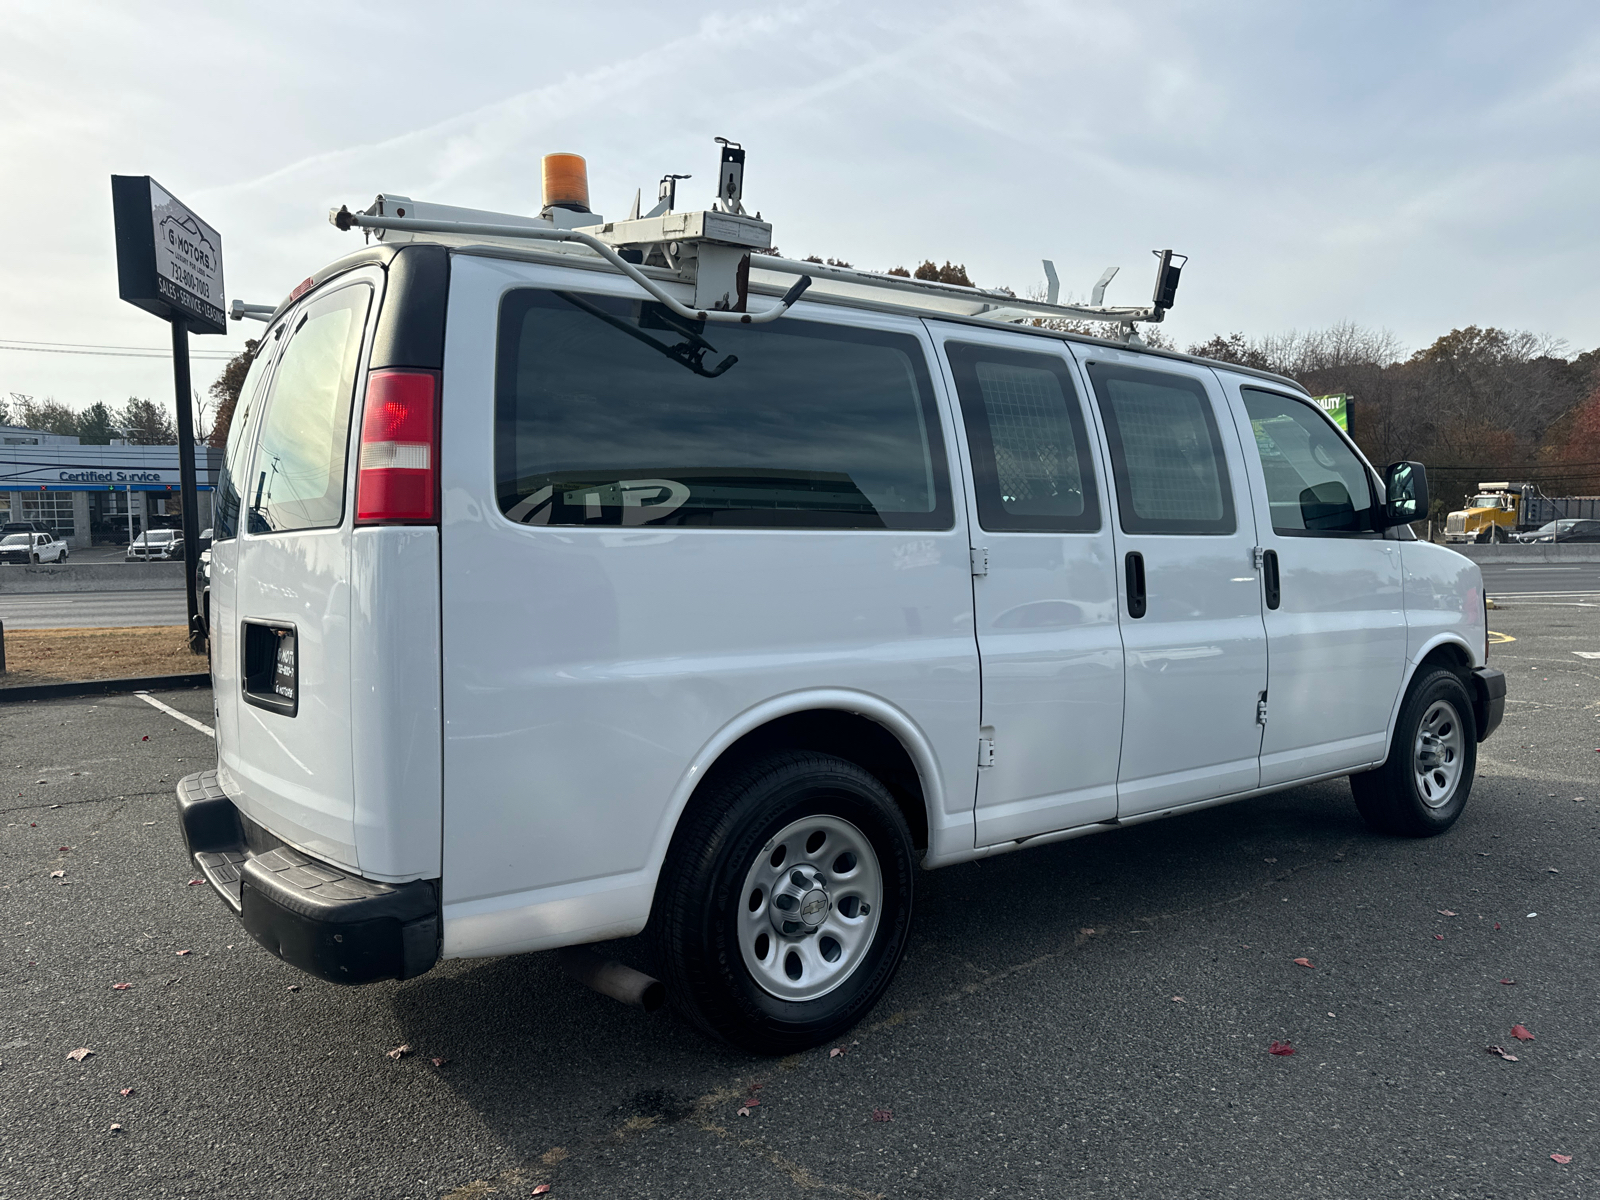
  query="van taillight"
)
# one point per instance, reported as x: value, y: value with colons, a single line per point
x: 397, y: 479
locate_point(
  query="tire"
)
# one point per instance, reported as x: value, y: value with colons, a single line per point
x: 1422, y: 788
x: 36, y: 560
x: 63, y: 557
x: 728, y: 946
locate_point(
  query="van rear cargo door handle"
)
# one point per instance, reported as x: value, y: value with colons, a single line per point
x: 1269, y: 578
x: 1133, y: 564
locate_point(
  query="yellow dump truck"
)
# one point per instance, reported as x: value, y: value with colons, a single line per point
x: 1493, y: 515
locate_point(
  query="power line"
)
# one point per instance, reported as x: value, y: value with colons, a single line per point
x: 93, y: 349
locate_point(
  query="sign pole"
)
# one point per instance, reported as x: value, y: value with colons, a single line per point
x: 190, y: 503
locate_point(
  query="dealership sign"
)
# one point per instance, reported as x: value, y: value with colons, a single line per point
x: 169, y: 261
x: 1337, y: 407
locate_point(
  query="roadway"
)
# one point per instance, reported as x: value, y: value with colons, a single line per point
x: 81, y: 610
x: 1561, y: 582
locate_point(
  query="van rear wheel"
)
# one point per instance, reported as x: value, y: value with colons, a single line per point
x: 785, y: 902
x: 1422, y: 787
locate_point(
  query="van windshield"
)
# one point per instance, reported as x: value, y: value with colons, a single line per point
x: 613, y: 412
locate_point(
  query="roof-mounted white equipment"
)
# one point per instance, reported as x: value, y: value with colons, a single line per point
x: 718, y: 251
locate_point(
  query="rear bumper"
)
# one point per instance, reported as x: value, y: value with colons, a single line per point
x: 314, y: 916
x: 1488, y: 699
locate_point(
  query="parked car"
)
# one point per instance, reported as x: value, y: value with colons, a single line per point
x: 205, y: 540
x: 25, y: 527
x: 155, y: 545
x: 549, y: 615
x: 20, y: 548
x: 1565, y: 529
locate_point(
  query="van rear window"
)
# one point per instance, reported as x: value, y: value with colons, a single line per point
x: 615, y: 412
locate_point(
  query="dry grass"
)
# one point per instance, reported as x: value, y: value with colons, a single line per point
x: 66, y: 655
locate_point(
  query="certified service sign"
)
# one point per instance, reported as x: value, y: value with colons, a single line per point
x: 169, y: 261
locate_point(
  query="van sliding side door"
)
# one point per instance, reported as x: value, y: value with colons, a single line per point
x: 1195, y: 646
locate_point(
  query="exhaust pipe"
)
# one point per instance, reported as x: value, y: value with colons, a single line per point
x: 610, y: 978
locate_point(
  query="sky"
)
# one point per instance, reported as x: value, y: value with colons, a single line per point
x: 1413, y: 166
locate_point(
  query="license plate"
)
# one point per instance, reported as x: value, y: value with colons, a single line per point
x: 272, y: 667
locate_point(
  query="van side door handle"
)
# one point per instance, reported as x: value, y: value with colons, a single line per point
x: 1269, y: 578
x: 1133, y: 566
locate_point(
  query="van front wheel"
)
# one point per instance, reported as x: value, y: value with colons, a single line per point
x: 1422, y: 787
x: 785, y: 902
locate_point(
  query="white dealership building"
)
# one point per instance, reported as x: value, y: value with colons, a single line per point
x: 89, y: 495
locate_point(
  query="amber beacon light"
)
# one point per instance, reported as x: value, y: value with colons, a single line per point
x: 566, y: 182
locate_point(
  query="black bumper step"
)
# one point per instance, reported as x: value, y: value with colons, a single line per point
x: 313, y: 915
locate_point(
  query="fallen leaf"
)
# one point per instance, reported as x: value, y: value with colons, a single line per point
x: 181, y: 953
x: 439, y: 1062
x: 58, y: 874
x: 1179, y: 1000
x: 743, y: 1112
x: 81, y: 1053
x: 1501, y: 1051
x: 1521, y: 1034
x: 116, y: 1128
x: 541, y: 1189
x: 1305, y: 962
x: 836, y: 1052
x: 751, y: 1101
x: 63, y: 849
x: 1269, y: 860
x: 192, y: 882
x: 145, y: 738
x: 1552, y: 871
x: 1438, y: 937
x: 1497, y: 924
x: 1508, y: 982
x: 294, y: 987
x: 882, y: 1114
x: 127, y: 1091
x: 1445, y: 912
x: 1563, y: 1159
x: 400, y: 1051
x: 1282, y: 1049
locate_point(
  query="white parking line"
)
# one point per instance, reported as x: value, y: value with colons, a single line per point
x: 172, y: 712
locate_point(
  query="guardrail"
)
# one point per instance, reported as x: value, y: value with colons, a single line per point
x: 92, y: 577
x: 1556, y: 552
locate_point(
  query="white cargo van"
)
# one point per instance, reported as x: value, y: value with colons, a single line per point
x: 574, y: 579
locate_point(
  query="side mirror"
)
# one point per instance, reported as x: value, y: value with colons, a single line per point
x: 1405, y: 487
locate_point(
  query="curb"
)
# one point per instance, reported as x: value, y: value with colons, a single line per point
x: 102, y: 687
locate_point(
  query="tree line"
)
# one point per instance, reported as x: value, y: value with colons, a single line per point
x: 140, y: 422
x: 1476, y: 405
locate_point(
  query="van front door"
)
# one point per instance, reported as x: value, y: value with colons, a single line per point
x: 1044, y: 590
x: 1194, y: 644
x: 1335, y: 610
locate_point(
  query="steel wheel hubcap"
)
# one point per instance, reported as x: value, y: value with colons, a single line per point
x: 810, y: 908
x: 1437, y: 759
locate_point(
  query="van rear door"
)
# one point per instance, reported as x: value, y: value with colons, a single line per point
x: 290, y: 761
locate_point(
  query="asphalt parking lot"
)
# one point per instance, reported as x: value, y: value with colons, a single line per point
x: 1087, y: 1019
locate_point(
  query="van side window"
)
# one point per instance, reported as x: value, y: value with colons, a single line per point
x: 299, y: 470
x: 1316, y: 486
x: 1025, y: 428
x: 617, y: 412
x: 225, y: 517
x: 1166, y: 453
